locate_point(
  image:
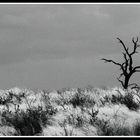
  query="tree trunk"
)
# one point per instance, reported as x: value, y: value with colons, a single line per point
x: 126, y: 82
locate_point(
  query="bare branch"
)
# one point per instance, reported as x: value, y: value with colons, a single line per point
x: 136, y: 68
x: 126, y: 67
x: 134, y: 40
x: 126, y: 62
x: 126, y: 49
x: 116, y: 63
x: 135, y: 46
x: 132, y: 84
x: 120, y: 82
x: 136, y: 87
x: 107, y: 60
x: 121, y: 75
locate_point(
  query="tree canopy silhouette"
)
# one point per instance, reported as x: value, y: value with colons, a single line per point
x: 126, y: 67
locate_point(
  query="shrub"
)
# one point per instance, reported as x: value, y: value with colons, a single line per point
x: 29, y: 122
x: 129, y: 102
x: 107, y: 128
x: 136, y: 128
x: 80, y: 98
x: 127, y: 99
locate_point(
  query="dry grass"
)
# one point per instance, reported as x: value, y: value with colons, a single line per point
x: 70, y: 112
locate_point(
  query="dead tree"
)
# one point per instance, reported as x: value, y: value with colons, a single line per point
x: 127, y: 67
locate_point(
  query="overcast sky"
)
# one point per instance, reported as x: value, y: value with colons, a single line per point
x: 51, y: 46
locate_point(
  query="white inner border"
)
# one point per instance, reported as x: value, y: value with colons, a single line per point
x: 71, y: 136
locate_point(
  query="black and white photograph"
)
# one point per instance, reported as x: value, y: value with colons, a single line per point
x: 69, y: 69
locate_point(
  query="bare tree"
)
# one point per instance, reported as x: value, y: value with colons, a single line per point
x: 127, y: 68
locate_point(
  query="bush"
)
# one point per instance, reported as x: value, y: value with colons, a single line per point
x: 129, y: 102
x: 29, y: 122
x: 127, y: 99
x: 81, y: 99
x: 106, y: 128
x: 136, y: 128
